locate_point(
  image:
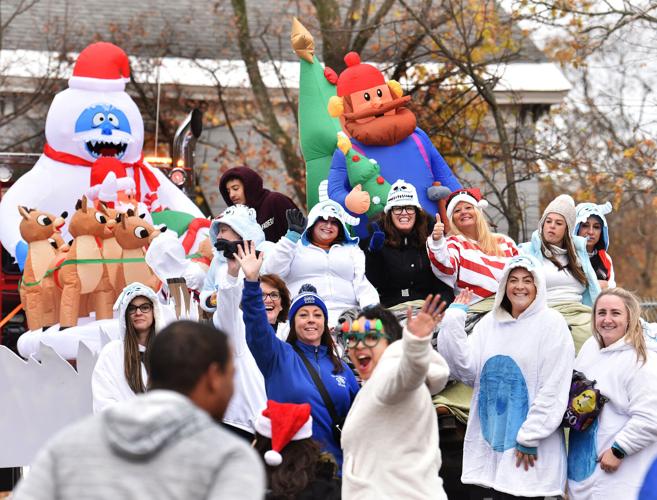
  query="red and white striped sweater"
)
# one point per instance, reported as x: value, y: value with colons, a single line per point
x: 460, y: 262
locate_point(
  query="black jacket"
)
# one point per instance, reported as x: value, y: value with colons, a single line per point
x: 402, y: 274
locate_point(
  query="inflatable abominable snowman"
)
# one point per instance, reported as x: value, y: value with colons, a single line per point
x: 94, y: 118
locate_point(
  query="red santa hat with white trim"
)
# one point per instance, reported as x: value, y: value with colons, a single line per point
x: 108, y: 177
x: 469, y: 195
x: 282, y: 423
x: 103, y: 67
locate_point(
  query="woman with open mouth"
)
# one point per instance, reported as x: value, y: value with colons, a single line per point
x: 571, y: 283
x: 396, y: 260
x: 390, y: 437
x: 305, y: 367
x: 519, y: 361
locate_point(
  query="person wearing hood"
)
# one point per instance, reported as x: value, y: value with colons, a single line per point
x: 236, y: 223
x: 611, y: 457
x: 249, y: 398
x: 571, y: 283
x: 121, y: 371
x: 396, y: 260
x: 243, y: 186
x: 304, y: 368
x: 162, y: 444
x: 519, y: 360
x: 320, y: 251
x: 590, y: 223
x: 384, y: 457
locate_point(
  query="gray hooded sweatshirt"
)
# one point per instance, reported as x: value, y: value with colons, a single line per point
x: 158, y: 445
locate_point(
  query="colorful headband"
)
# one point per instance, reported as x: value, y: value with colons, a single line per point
x: 366, y: 326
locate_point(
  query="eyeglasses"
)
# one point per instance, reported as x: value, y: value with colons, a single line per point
x: 369, y: 339
x: 274, y: 296
x: 146, y: 307
x: 329, y: 222
x: 399, y: 210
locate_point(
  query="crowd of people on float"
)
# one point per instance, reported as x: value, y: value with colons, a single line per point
x: 343, y: 405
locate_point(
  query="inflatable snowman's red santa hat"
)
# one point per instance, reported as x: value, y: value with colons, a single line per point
x: 108, y: 177
x: 101, y: 67
x: 282, y: 423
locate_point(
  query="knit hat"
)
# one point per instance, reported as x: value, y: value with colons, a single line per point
x: 402, y: 194
x: 469, y: 195
x: 108, y: 177
x: 563, y: 205
x: 282, y: 423
x: 307, y: 297
x: 101, y: 67
x: 585, y: 210
x: 242, y: 220
x: 358, y: 76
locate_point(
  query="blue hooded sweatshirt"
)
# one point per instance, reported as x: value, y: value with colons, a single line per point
x: 286, y: 378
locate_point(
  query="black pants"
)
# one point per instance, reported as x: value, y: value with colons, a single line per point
x: 479, y: 493
x: 247, y: 436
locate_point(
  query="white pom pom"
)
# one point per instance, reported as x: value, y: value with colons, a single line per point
x: 482, y: 204
x: 376, y: 200
x: 273, y: 458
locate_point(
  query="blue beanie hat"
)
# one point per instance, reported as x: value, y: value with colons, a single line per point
x: 307, y: 297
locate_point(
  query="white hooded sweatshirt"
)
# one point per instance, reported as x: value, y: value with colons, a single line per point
x: 108, y: 382
x: 338, y: 274
x: 520, y: 369
x: 249, y: 397
x: 390, y: 436
x: 629, y: 419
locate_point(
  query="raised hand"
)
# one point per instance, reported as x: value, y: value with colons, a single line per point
x: 358, y: 201
x: 377, y: 239
x: 465, y: 297
x: 438, y: 229
x: 249, y: 261
x: 425, y: 321
x: 296, y: 221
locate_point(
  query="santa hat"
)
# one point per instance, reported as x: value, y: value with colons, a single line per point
x: 102, y: 67
x: 402, y: 194
x: 470, y: 195
x: 282, y: 423
x: 358, y: 76
x: 108, y: 177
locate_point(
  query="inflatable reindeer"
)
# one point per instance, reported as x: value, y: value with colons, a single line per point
x: 133, y: 235
x: 84, y: 272
x: 41, y: 232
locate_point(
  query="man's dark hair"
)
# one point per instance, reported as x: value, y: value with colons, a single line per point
x: 182, y: 352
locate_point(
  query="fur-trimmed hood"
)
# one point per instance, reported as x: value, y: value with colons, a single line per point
x: 130, y: 292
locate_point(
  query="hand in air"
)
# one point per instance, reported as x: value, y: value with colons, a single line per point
x: 425, y: 321
x: 438, y: 229
x: 249, y: 261
x: 465, y: 297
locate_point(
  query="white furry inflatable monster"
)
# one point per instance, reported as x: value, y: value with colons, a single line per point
x: 94, y: 118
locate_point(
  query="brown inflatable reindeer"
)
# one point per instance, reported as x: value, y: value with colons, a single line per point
x: 134, y: 234
x: 41, y: 232
x: 83, y: 272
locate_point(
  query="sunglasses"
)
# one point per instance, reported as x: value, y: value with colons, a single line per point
x: 399, y: 210
x: 144, y: 308
x: 274, y: 296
